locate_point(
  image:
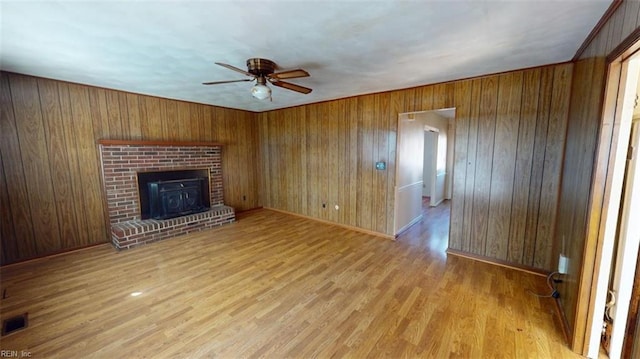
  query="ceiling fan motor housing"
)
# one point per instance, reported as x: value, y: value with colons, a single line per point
x: 261, y: 67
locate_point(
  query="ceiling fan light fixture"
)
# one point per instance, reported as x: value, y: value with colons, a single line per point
x: 263, y: 71
x: 261, y: 91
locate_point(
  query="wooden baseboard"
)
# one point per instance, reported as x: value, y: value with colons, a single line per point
x: 247, y: 211
x: 498, y: 262
x: 353, y: 228
x: 56, y: 254
x: 563, y: 321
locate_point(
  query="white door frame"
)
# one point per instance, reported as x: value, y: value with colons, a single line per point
x: 621, y: 106
x: 627, y: 255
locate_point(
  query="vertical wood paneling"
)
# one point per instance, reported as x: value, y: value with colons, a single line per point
x: 149, y: 110
x: 498, y: 130
x: 264, y: 162
x: 99, y: 113
x: 552, y: 169
x: 88, y: 163
x: 579, y: 240
x: 184, y: 117
x: 19, y: 209
x: 197, y: 121
x: 535, y: 183
x: 366, y: 109
x: 484, y: 163
x: 233, y: 128
x: 581, y: 141
x: 50, y: 169
x: 60, y: 175
x: 472, y: 157
x: 324, y: 173
x: 463, y: 112
x: 503, y: 167
x: 571, y: 234
x: 630, y: 17
x: 253, y: 157
x: 313, y: 160
x: 306, y: 156
x: 618, y: 22
x: 378, y: 204
x: 354, y: 170
x: 301, y: 119
x: 35, y: 162
x: 8, y: 245
x: 124, y: 114
x: 342, y: 137
x: 246, y: 197
x: 427, y: 98
x: 207, y: 119
x: 172, y: 125
x: 290, y: 163
x: 523, y: 164
x: 280, y: 147
x: 293, y: 158
x: 133, y: 111
x: 409, y: 100
x: 439, y: 96
x: 113, y: 111
x: 73, y: 159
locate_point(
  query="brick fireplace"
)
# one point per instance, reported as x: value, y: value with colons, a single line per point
x: 123, y: 162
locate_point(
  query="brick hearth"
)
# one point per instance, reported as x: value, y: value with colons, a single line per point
x: 122, y: 160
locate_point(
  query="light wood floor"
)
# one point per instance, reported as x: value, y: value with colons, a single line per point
x: 273, y: 285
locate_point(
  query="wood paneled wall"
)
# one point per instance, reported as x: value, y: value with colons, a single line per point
x: 508, y: 150
x: 512, y: 141
x: 50, y: 191
x: 585, y: 115
x: 584, y: 118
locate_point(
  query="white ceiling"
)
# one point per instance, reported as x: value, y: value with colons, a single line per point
x: 167, y: 48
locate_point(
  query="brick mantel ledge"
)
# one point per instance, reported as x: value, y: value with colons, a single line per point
x: 155, y: 143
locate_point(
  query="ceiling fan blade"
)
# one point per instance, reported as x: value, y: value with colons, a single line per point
x: 225, y: 82
x: 293, y: 87
x: 291, y: 74
x: 234, y: 69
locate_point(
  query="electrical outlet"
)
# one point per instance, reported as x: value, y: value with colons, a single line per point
x: 337, y: 207
x: 563, y: 264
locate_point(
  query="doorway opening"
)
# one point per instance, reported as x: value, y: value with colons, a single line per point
x: 424, y: 172
x: 613, y: 305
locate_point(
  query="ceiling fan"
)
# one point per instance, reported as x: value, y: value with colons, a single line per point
x: 263, y: 70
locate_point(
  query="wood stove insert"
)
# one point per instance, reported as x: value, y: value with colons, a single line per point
x: 170, y: 194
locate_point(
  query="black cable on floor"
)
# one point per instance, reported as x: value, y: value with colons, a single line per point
x: 550, y: 282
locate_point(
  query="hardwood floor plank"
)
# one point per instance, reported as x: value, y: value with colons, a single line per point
x: 276, y: 285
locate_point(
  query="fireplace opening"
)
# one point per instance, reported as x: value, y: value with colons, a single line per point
x: 169, y: 194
